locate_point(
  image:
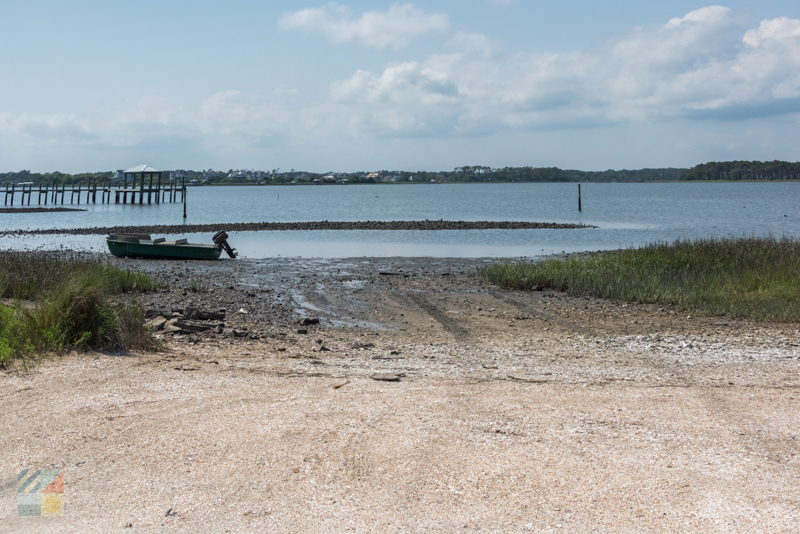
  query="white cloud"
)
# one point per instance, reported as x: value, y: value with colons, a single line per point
x: 47, y: 128
x: 394, y: 28
x: 778, y: 30
x: 700, y: 65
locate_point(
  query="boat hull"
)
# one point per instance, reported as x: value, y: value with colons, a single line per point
x: 134, y: 247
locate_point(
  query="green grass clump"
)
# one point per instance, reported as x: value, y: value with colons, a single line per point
x: 56, y: 302
x: 757, y: 278
x: 33, y: 275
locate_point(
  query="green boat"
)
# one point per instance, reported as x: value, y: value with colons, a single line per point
x: 144, y: 246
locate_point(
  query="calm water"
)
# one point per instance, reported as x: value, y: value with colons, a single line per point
x: 627, y: 215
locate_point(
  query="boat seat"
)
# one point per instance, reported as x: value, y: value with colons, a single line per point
x: 181, y: 241
x: 159, y: 240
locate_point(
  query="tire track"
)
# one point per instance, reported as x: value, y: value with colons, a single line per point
x: 545, y: 316
x: 449, y: 324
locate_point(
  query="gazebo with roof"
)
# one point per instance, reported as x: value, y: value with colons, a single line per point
x: 141, y: 174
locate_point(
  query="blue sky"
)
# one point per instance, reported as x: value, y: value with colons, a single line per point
x: 98, y: 85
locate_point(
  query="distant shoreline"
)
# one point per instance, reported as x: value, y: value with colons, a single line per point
x: 587, y: 182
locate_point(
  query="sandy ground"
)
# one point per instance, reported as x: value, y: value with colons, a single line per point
x: 504, y: 411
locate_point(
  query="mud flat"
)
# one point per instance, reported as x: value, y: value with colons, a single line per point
x: 38, y: 210
x: 406, y: 395
x: 308, y: 225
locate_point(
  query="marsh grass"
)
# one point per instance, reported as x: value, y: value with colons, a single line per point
x: 756, y: 278
x: 33, y: 275
x: 56, y: 302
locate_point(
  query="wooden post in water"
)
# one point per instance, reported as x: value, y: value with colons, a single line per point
x: 184, y: 198
x: 12, y: 193
x: 580, y: 206
x: 141, y: 190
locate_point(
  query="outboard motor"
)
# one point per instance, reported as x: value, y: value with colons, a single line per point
x: 221, y: 238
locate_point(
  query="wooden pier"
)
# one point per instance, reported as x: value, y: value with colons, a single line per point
x: 93, y: 193
x: 140, y: 185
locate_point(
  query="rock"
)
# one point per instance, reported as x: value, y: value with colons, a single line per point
x: 171, y: 327
x: 239, y: 333
x: 192, y: 313
x: 191, y: 326
x: 242, y: 311
x: 156, y: 323
x: 387, y: 377
x: 302, y: 331
x: 309, y: 321
x: 362, y: 346
x: 323, y: 348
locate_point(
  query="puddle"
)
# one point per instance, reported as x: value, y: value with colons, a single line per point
x: 355, y: 284
x: 304, y: 308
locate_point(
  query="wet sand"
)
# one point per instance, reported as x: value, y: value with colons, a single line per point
x: 407, y: 395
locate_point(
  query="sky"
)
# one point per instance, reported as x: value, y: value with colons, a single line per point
x: 95, y: 85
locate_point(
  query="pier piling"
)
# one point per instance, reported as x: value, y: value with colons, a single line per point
x: 86, y: 193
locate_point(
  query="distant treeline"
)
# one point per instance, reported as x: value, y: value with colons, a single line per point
x: 726, y: 170
x: 54, y: 177
x: 744, y: 170
x: 554, y: 174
